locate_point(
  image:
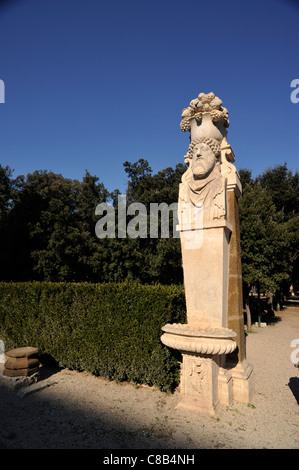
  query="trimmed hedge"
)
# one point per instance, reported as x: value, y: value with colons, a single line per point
x: 112, y: 330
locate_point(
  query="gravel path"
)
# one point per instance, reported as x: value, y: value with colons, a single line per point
x: 81, y: 411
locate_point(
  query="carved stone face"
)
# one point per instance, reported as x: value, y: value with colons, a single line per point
x: 203, y: 160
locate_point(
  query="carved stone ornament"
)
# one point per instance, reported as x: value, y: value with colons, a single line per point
x: 199, y: 377
x: 210, y: 341
x: 205, y: 103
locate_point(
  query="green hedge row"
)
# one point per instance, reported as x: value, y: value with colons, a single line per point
x: 111, y: 330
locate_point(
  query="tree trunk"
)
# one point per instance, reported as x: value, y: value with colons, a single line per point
x: 248, y: 314
x: 259, y: 304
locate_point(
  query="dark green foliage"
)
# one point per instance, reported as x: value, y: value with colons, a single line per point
x: 283, y: 186
x: 48, y: 228
x: 265, y: 240
x: 112, y: 330
x: 269, y: 227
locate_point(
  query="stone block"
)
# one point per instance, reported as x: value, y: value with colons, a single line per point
x: 16, y: 383
x: 20, y: 372
x: 27, y: 351
x: 243, y: 381
x: 35, y: 388
x: 21, y: 363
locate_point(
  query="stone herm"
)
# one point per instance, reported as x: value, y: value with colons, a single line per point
x: 214, y: 366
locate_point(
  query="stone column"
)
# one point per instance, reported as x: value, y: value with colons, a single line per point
x: 206, y: 274
x: 241, y: 370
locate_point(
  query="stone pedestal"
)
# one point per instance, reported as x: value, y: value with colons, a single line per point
x: 243, y: 380
x: 241, y: 370
x: 225, y: 384
x: 199, y: 383
x: 204, y: 381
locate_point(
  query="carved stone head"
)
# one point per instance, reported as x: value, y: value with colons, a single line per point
x: 203, y: 155
x: 203, y: 160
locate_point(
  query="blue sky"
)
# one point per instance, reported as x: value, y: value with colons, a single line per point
x: 90, y: 84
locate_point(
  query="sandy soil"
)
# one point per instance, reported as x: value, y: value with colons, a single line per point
x: 81, y: 411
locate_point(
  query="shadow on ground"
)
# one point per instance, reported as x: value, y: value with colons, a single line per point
x: 39, y: 422
x: 294, y: 386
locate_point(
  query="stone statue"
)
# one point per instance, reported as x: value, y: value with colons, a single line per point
x: 212, y: 342
x: 203, y: 184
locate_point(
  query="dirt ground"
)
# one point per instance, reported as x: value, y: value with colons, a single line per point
x: 81, y: 411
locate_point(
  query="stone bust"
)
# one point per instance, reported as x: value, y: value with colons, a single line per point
x: 202, y: 184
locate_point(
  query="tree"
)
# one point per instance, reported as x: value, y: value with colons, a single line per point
x: 245, y: 176
x: 283, y: 187
x: 153, y: 260
x: 44, y: 208
x: 51, y: 228
x: 48, y: 228
x: 86, y: 248
x: 139, y: 184
x: 6, y: 192
x: 265, y: 240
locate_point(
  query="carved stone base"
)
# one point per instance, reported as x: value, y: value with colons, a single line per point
x: 204, y: 384
x: 187, y: 403
x: 225, y: 387
x: 243, y: 381
x: 199, y: 383
x: 205, y: 380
